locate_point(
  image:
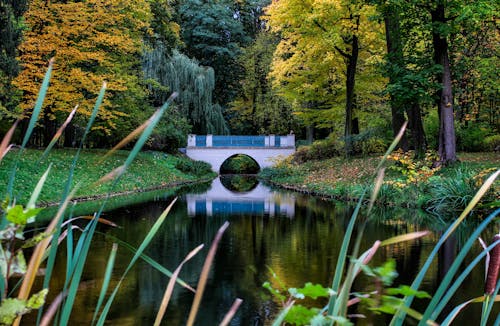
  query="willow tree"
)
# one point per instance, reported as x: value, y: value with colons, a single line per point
x: 194, y: 83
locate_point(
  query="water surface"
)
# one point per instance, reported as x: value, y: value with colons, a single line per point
x: 296, y: 236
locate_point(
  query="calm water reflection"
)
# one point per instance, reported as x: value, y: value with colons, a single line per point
x: 298, y: 237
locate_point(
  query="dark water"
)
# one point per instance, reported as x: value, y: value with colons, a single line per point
x: 296, y: 236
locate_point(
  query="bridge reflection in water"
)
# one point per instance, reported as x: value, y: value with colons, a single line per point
x: 260, y: 200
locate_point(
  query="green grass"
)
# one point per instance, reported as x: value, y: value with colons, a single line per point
x: 150, y: 170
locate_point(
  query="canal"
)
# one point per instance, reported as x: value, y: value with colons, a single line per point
x: 296, y: 236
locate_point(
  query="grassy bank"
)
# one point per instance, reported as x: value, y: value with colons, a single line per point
x: 408, y: 182
x: 150, y: 170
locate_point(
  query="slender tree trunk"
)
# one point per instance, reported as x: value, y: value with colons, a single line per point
x: 446, y: 140
x: 352, y: 62
x: 395, y: 57
x: 416, y: 127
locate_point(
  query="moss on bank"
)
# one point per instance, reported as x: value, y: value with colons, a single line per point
x: 150, y: 170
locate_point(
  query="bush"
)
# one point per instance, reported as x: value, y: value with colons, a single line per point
x: 319, y: 150
x: 197, y: 168
x: 169, y: 135
x: 472, y: 139
x: 492, y: 143
x: 372, y: 145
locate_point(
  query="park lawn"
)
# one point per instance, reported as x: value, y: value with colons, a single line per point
x: 150, y: 170
x: 343, y: 178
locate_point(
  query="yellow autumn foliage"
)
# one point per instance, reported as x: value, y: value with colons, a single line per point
x: 92, y: 41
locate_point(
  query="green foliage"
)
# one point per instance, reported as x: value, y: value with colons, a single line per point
x: 213, y: 35
x: 319, y: 150
x: 473, y: 138
x: 170, y: 134
x: 298, y: 314
x: 10, y: 308
x: 239, y: 164
x: 451, y: 194
x: 259, y: 109
x: 198, y: 168
x: 194, y: 84
x: 492, y: 143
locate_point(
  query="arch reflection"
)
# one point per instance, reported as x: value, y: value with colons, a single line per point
x: 259, y: 200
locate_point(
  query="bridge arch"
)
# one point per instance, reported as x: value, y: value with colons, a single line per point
x: 251, y: 165
x: 265, y: 150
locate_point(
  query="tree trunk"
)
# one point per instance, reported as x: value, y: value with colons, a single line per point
x: 352, y: 62
x: 416, y: 127
x: 446, y: 140
x: 395, y: 57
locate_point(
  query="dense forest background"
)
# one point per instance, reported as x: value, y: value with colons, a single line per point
x: 348, y: 71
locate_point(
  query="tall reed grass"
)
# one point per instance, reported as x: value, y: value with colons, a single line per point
x: 20, y: 299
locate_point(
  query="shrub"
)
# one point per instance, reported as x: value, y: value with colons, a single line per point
x: 319, y: 150
x: 492, y: 143
x: 472, y: 139
x: 197, y: 168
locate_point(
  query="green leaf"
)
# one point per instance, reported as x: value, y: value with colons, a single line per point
x: 10, y: 309
x: 37, y: 300
x: 314, y: 291
x: 19, y: 216
x: 387, y: 272
x: 405, y: 290
x: 300, y: 315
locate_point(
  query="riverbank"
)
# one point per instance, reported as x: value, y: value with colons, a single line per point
x: 407, y: 183
x: 150, y: 171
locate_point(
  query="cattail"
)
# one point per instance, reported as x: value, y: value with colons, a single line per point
x: 493, y: 268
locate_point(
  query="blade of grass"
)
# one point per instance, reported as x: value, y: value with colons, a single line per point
x: 232, y: 311
x: 154, y: 229
x: 49, y: 315
x: 489, y: 305
x: 339, y: 269
x: 149, y: 260
x: 77, y: 273
x: 458, y: 282
x: 133, y: 135
x: 404, y: 237
x: 170, y: 286
x: 4, y: 145
x: 66, y: 192
x: 31, y: 125
x: 105, y: 283
x: 378, y: 184
x: 38, y: 254
x: 460, y: 307
x: 400, y: 315
x: 38, y: 189
x: 204, y: 274
x: 59, y: 133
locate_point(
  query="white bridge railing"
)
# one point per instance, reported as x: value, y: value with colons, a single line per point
x: 241, y: 141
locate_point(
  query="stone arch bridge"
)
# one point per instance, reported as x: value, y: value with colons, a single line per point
x: 215, y: 150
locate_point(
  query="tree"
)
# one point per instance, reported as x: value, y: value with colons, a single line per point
x: 92, y: 41
x: 195, y: 85
x: 11, y: 27
x: 259, y: 109
x: 410, y: 74
x: 324, y: 46
x: 212, y: 33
